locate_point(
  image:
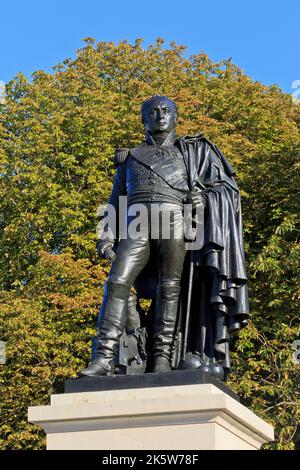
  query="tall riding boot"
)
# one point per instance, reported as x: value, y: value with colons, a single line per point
x: 113, y: 321
x: 164, y: 326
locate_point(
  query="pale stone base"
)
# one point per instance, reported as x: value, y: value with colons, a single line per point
x: 184, y: 417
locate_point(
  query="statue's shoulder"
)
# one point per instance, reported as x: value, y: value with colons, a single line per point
x: 120, y: 156
x: 192, y: 139
x: 216, y: 154
x: 196, y: 139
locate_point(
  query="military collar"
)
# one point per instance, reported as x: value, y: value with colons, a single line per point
x: 169, y: 140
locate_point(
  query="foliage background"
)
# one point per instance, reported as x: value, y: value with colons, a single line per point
x: 57, y: 138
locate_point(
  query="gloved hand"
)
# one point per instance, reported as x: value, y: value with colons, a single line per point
x: 196, y: 198
x: 105, y: 250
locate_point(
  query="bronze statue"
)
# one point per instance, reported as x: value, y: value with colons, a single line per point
x: 199, y: 296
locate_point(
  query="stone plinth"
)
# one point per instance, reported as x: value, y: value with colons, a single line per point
x: 180, y: 417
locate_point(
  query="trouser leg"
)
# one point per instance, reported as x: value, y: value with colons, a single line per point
x: 132, y: 256
x: 171, y: 255
x: 113, y: 321
x: 164, y: 325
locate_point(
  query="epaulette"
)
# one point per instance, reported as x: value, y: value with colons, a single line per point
x: 120, y: 156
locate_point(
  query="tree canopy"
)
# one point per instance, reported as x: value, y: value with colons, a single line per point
x: 58, y: 133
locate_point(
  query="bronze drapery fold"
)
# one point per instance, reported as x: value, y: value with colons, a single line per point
x: 220, y: 295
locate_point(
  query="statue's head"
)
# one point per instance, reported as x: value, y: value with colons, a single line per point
x: 159, y: 114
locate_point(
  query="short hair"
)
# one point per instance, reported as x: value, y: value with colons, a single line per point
x: 147, y: 103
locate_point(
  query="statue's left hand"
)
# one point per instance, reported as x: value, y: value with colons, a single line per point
x: 196, y: 198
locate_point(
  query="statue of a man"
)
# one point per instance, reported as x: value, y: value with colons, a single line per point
x: 170, y: 172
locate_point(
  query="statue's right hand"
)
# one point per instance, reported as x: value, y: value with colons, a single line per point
x: 105, y: 250
x: 110, y: 255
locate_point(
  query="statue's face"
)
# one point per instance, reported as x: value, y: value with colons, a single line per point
x: 160, y: 116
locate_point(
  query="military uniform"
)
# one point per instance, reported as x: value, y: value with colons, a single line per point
x: 166, y: 173
x: 148, y: 174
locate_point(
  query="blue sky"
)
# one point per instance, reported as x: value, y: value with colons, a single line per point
x: 261, y: 36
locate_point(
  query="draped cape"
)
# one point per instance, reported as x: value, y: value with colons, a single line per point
x: 219, y: 290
